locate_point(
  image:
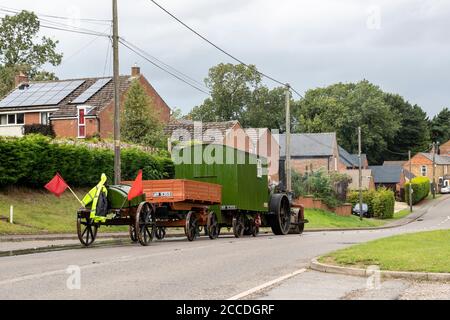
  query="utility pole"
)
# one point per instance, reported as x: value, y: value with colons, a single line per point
x: 434, y: 170
x: 288, y: 168
x: 361, y: 213
x: 117, y: 162
x: 410, y: 184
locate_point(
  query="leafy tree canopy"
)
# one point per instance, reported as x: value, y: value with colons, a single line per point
x: 22, y: 50
x: 440, y: 126
x: 341, y: 108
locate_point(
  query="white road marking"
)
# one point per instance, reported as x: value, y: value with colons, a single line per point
x: 266, y: 285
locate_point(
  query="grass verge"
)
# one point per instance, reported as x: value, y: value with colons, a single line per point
x: 418, y: 252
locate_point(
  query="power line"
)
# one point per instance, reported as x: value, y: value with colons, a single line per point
x: 198, y: 83
x: 217, y: 47
x: 125, y: 44
x: 88, y: 20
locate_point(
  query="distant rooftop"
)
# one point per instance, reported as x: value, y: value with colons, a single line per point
x: 309, y: 145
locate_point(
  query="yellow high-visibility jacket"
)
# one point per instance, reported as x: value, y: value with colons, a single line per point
x: 92, y: 197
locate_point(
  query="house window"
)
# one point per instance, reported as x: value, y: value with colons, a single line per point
x: 11, y: 119
x: 81, y: 123
x: 20, y: 118
x: 259, y: 168
x: 45, y: 118
x: 424, y: 171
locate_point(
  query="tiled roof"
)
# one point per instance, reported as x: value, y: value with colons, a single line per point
x: 309, y: 145
x: 440, y: 159
x: 387, y: 174
x: 190, y: 130
x: 98, y: 101
x: 394, y: 163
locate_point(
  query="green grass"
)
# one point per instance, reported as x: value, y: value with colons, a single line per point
x: 324, y: 219
x: 319, y: 219
x: 39, y: 212
x: 418, y: 252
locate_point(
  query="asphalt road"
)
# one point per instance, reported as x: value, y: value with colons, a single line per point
x: 177, y: 269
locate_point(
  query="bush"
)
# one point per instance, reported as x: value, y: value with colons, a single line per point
x: 318, y: 184
x: 384, y: 204
x: 44, y: 129
x: 33, y: 160
x: 421, y: 187
x: 368, y: 196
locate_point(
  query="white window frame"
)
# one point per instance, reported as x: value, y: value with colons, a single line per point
x: 422, y: 171
x: 15, y: 119
x: 48, y: 117
x: 81, y: 125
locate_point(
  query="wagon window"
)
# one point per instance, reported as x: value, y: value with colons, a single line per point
x: 259, y: 168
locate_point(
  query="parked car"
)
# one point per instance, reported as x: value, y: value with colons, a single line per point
x: 365, y: 210
x: 445, y: 189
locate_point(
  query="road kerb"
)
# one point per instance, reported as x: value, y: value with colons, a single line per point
x: 421, y: 276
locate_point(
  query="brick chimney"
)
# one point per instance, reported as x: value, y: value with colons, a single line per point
x: 135, y: 71
x: 21, y: 78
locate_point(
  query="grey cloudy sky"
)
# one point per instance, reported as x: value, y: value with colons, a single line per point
x: 401, y: 45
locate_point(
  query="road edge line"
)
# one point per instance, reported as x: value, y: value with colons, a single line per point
x: 266, y: 285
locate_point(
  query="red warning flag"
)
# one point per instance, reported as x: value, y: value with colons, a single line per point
x: 57, y: 185
x: 137, y: 189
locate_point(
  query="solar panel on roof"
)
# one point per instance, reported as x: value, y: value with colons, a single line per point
x: 86, y: 95
x: 40, y: 94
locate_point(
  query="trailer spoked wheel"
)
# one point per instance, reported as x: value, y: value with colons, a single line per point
x: 191, y: 228
x: 213, y: 226
x: 238, y: 226
x: 280, y: 220
x: 145, y: 224
x: 87, y: 231
x: 133, y: 235
x: 160, y: 233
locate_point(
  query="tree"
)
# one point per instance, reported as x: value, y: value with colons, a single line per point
x: 414, y: 134
x: 238, y: 94
x: 341, y: 108
x: 440, y: 126
x: 140, y: 124
x: 231, y: 93
x: 21, y: 50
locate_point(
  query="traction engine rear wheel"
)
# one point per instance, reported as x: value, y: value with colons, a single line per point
x: 280, y: 220
x: 87, y: 231
x: 145, y: 224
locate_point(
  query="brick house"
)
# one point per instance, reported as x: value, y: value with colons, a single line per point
x: 445, y: 149
x: 312, y: 151
x: 76, y: 108
x: 422, y: 166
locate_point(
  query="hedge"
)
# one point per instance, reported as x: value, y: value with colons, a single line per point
x: 384, y: 204
x: 45, y: 130
x: 353, y: 198
x: 421, y: 187
x: 33, y: 160
x: 380, y: 202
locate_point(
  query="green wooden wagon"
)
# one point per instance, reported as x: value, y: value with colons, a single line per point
x: 247, y: 203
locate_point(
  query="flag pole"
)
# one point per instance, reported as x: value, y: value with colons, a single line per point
x: 82, y: 204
